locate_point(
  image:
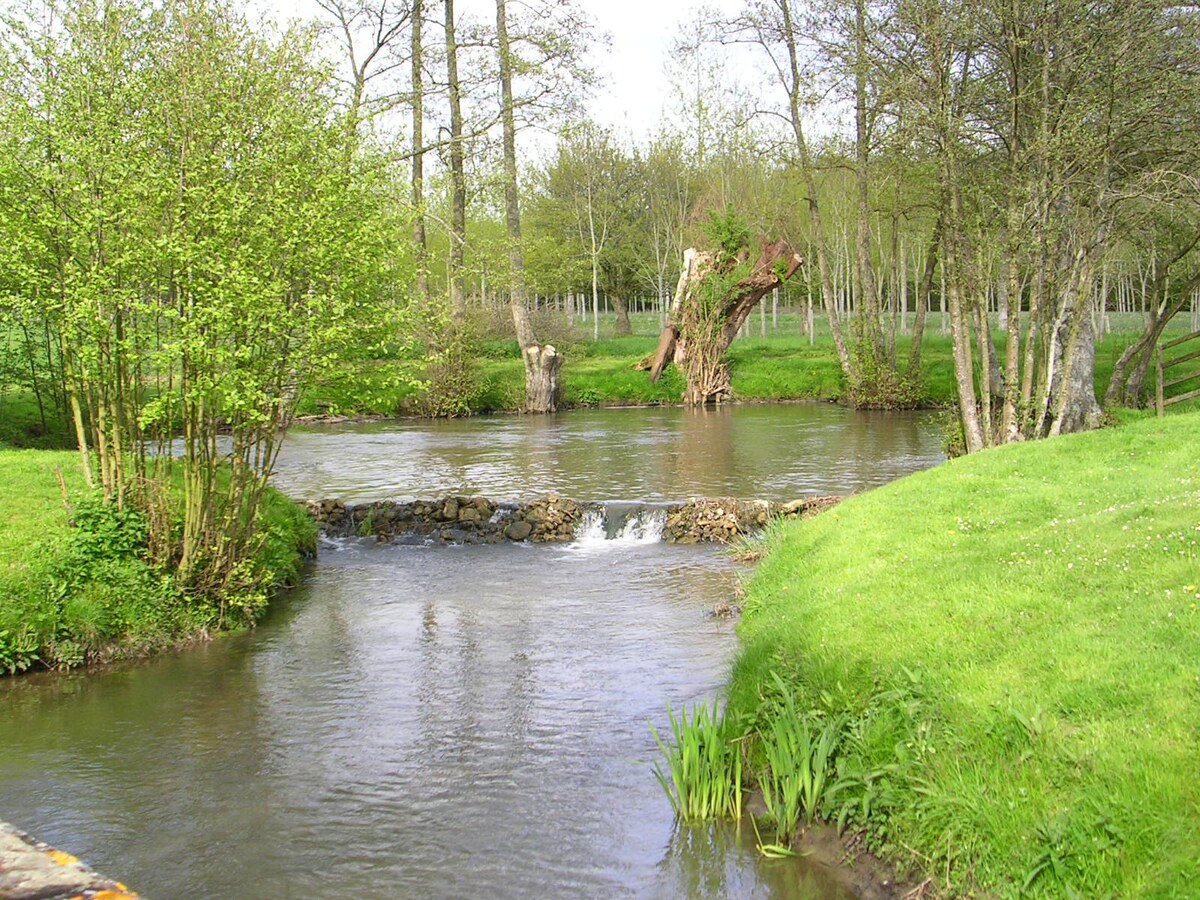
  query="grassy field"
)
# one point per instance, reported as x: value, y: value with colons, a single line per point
x: 784, y: 365
x: 1010, y: 645
x: 76, y: 594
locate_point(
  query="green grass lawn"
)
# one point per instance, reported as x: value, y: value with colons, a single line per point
x: 1031, y: 617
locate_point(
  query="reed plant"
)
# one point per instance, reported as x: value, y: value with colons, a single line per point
x: 800, y: 749
x: 703, y: 776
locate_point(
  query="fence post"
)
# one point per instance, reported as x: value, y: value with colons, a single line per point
x: 1158, y: 380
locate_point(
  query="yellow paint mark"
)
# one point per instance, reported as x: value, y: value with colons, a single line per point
x: 114, y: 895
x: 63, y: 859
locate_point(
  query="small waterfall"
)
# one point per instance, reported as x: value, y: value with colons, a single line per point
x: 591, y: 531
x: 644, y: 527
x: 612, y: 525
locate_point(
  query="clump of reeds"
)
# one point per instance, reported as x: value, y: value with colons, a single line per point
x: 703, y: 777
x: 799, y: 750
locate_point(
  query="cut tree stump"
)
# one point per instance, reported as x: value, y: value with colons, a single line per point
x: 713, y: 298
x: 542, y: 388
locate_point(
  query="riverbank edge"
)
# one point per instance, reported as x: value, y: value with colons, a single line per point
x: 778, y: 369
x: 781, y: 636
x: 63, y: 607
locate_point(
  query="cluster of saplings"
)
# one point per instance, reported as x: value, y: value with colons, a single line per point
x: 191, y: 234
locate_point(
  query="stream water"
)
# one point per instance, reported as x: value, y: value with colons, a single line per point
x: 445, y: 721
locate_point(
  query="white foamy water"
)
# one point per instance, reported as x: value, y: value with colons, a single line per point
x: 597, y: 532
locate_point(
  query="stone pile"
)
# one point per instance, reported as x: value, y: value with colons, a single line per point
x: 459, y: 520
x: 715, y: 521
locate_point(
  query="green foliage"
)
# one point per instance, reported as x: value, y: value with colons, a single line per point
x: 103, y: 530
x: 453, y: 375
x: 199, y: 237
x: 704, y: 762
x: 728, y: 233
x: 879, y: 385
x: 18, y: 650
x: 72, y: 593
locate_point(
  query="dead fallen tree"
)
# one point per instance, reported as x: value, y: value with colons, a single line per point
x: 715, y: 294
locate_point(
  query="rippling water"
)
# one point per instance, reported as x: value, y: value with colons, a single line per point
x: 767, y: 452
x: 440, y: 721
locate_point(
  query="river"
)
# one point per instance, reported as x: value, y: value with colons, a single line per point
x: 445, y: 721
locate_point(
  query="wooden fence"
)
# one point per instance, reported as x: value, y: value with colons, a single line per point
x: 1164, y: 366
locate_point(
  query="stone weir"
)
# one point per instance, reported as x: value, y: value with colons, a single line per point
x: 478, y: 520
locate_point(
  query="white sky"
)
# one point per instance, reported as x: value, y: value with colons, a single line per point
x: 635, y: 88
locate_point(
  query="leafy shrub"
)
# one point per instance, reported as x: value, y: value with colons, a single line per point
x: 452, y: 374
x: 728, y: 233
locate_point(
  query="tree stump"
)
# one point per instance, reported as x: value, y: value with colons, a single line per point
x: 714, y: 296
x: 542, y: 388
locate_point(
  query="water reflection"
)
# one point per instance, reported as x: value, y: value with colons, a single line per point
x: 773, y: 452
x: 444, y: 721
x: 420, y: 721
x: 721, y: 862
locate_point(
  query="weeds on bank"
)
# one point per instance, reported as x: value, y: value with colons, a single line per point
x: 82, y: 586
x: 813, y: 755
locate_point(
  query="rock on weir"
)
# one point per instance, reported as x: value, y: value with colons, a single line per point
x: 31, y: 870
x: 478, y: 520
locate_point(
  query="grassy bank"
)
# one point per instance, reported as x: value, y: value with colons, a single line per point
x: 72, y: 594
x: 1008, y: 647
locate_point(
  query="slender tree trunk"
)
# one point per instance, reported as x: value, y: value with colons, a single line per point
x: 925, y: 294
x: 814, y: 204
x: 542, y: 364
x: 1010, y: 418
x: 960, y: 328
x: 420, y: 240
x: 458, y: 181
x: 869, y: 310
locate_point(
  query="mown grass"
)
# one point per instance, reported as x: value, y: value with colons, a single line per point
x: 73, y: 594
x: 783, y: 366
x: 1013, y: 639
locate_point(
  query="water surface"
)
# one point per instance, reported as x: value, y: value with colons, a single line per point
x: 777, y: 452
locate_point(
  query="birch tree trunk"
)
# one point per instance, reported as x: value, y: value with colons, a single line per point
x: 420, y: 240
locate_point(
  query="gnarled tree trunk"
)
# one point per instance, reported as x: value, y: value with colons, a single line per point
x: 712, y: 300
x: 542, y: 389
